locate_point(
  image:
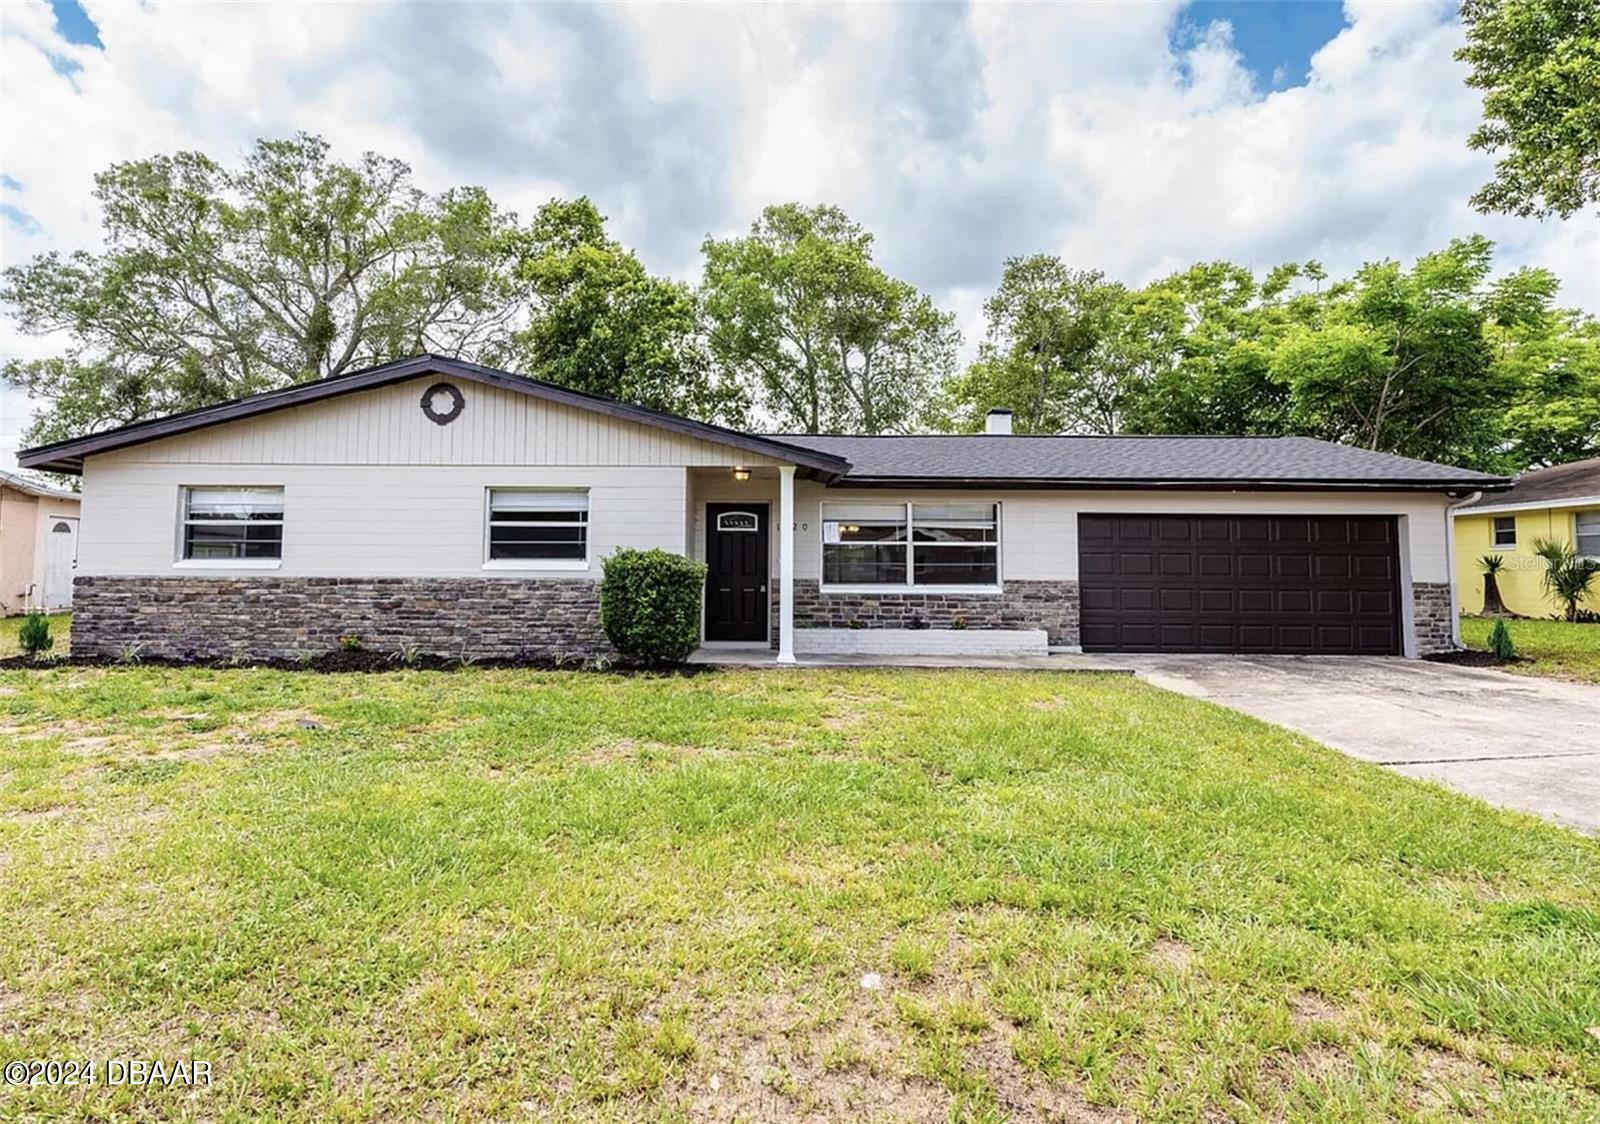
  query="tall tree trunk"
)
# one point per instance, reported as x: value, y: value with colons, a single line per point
x: 1493, y: 606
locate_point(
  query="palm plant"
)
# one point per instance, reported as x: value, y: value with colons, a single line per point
x: 1491, y: 565
x: 1568, y: 575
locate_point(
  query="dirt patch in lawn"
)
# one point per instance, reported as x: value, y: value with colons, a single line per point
x: 1169, y: 952
x: 772, y: 1062
x: 1025, y: 1095
x: 1446, y: 1075
x: 1309, y: 1007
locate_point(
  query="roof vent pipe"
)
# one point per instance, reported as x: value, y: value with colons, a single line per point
x: 998, y: 423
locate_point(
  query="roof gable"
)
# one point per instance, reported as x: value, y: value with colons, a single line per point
x: 67, y: 456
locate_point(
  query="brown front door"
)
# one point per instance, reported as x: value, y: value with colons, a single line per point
x: 1322, y: 584
x: 736, y: 571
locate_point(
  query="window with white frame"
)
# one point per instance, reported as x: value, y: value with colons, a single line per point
x: 1505, y: 530
x: 232, y: 523
x: 1587, y: 533
x: 911, y: 544
x: 538, y: 525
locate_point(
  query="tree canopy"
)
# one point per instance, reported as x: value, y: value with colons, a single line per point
x: 599, y: 322
x: 1436, y: 361
x: 798, y: 310
x: 1538, y: 64
x: 217, y: 282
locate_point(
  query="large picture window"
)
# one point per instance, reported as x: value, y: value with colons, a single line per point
x: 538, y: 526
x: 917, y: 544
x: 221, y: 524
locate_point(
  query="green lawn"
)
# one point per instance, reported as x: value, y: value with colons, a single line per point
x: 503, y: 894
x: 60, y: 632
x: 1556, y: 648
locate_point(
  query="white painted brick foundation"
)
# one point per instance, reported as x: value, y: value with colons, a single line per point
x: 920, y: 642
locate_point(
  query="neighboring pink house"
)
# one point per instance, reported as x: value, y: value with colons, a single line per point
x: 38, y: 545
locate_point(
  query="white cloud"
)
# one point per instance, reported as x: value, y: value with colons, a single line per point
x: 959, y: 136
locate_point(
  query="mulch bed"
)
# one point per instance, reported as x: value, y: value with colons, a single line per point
x: 1474, y: 657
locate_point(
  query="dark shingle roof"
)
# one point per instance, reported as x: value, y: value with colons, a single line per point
x: 1578, y: 480
x: 1103, y: 461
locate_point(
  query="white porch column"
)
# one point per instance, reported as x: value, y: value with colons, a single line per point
x: 786, y: 563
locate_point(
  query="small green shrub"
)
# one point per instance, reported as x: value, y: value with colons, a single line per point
x: 351, y: 643
x: 1500, y: 642
x: 34, y: 635
x: 650, y: 605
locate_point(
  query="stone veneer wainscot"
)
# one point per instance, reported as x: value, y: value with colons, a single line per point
x: 208, y: 618
x: 1050, y: 605
x: 1432, y: 618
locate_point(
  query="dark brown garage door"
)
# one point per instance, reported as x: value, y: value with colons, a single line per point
x: 1178, y: 583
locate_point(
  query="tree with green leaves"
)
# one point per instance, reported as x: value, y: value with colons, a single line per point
x: 1052, y: 353
x: 1538, y: 63
x: 1552, y: 356
x: 1205, y: 339
x: 220, y: 281
x: 599, y: 322
x: 798, y: 310
x: 1568, y: 576
x: 1401, y: 363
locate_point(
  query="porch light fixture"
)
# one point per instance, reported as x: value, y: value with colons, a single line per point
x: 741, y: 474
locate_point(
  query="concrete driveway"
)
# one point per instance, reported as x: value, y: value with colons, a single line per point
x: 1530, y: 744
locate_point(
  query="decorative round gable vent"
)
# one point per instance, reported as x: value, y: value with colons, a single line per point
x: 443, y: 403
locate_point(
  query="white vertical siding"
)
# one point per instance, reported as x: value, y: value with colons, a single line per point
x: 387, y: 426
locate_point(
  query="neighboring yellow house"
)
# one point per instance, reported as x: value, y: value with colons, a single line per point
x: 1561, y: 503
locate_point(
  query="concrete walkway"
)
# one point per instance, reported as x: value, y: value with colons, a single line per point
x: 1518, y: 741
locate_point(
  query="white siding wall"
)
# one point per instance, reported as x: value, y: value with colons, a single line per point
x: 369, y: 521
x: 372, y: 487
x: 1039, y: 530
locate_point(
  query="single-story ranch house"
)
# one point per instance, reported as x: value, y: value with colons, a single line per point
x: 464, y: 510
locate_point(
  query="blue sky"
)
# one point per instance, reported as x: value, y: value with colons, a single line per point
x: 74, y: 23
x: 1133, y: 138
x: 1275, y: 40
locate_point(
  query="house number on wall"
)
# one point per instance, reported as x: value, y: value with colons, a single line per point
x: 736, y: 521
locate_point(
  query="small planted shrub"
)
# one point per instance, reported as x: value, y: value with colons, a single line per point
x: 650, y: 605
x: 958, y: 624
x: 34, y: 635
x: 350, y: 643
x: 1500, y: 642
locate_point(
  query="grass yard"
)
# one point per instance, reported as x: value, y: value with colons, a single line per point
x: 60, y: 632
x: 502, y: 894
x: 1559, y: 649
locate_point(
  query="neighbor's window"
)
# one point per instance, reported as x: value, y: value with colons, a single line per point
x: 1588, y: 528
x: 538, y: 526
x: 1505, y: 530
x: 911, y: 544
x: 232, y: 523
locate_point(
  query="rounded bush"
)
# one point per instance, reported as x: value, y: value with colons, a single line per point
x: 650, y: 605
